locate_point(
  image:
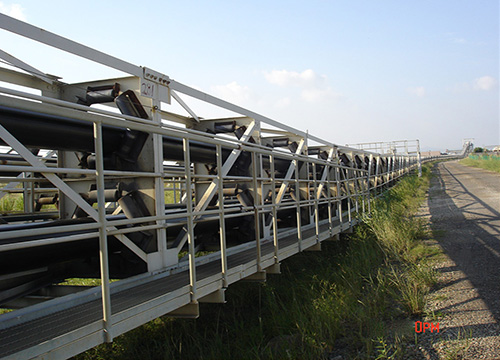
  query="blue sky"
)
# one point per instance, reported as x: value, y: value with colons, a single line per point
x: 346, y: 71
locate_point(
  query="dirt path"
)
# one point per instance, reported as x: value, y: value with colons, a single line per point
x: 464, y: 209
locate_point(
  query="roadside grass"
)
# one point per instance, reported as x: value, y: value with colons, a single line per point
x: 491, y: 163
x: 340, y: 301
x: 457, y: 349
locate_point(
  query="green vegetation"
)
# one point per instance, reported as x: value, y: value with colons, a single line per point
x: 342, y: 300
x: 84, y: 281
x: 487, y: 162
x: 459, y: 346
x: 11, y: 203
x: 172, y: 194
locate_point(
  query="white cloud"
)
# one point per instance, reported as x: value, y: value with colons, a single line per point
x: 418, y: 91
x: 232, y: 92
x: 315, y: 95
x: 314, y: 87
x: 13, y: 10
x: 485, y: 83
x: 455, y: 38
x: 285, y: 78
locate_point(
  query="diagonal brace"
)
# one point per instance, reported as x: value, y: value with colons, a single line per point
x: 324, y: 175
x: 61, y: 185
x: 212, y: 188
x: 289, y: 173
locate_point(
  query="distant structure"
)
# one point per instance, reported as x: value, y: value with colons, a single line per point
x: 426, y: 154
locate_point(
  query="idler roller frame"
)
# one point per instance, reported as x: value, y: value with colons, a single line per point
x: 62, y: 133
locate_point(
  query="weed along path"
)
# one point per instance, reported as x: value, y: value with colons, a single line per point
x: 464, y: 210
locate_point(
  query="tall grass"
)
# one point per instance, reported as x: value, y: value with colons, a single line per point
x: 491, y: 163
x: 398, y: 232
x: 335, y: 302
x: 11, y: 203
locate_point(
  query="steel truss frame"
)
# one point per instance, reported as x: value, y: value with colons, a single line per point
x: 272, y: 167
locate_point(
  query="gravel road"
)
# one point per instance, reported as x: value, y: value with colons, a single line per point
x: 464, y: 210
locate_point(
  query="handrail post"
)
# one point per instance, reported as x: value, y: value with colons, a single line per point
x: 368, y: 187
x: 103, y: 240
x: 316, y: 200
x: 256, y: 210
x: 190, y: 229
x: 274, y: 210
x: 339, y: 196
x: 297, y: 197
x: 329, y: 195
x: 222, y: 223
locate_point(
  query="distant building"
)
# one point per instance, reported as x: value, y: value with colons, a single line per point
x: 425, y: 154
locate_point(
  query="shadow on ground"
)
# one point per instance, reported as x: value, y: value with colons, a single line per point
x: 460, y: 200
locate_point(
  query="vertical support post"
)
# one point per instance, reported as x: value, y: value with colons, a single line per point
x: 354, y: 173
x: 182, y: 192
x: 189, y: 214
x: 347, y: 179
x: 393, y: 169
x: 387, y: 172
x: 368, y: 179
x: 362, y: 189
x: 266, y: 229
x: 26, y: 195
x: 32, y: 194
x: 329, y: 195
x: 419, y: 159
x: 256, y: 210
x: 159, y: 192
x: 316, y: 200
x: 339, y: 195
x: 174, y: 186
x: 274, y: 211
x: 297, y: 196
x: 376, y: 177
x: 222, y: 222
x: 103, y: 240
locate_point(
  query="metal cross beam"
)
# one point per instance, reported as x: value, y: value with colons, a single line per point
x: 46, y: 37
x: 325, y: 174
x: 289, y: 173
x: 212, y: 188
x: 24, y: 66
x: 61, y: 185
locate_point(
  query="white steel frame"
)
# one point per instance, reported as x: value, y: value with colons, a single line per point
x: 343, y: 190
